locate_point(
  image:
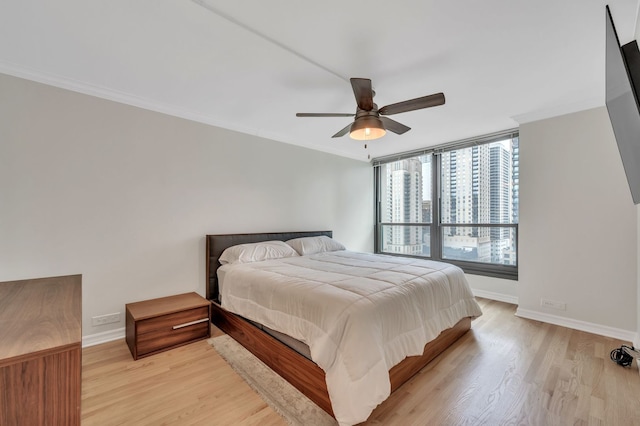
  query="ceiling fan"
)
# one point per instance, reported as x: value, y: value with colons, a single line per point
x: 370, y: 122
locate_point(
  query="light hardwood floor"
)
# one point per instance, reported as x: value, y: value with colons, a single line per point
x: 190, y: 385
x: 505, y: 371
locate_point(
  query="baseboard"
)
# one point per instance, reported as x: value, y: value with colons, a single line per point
x: 104, y: 337
x: 495, y: 296
x: 602, y: 330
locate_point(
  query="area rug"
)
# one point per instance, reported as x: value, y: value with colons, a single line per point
x: 289, y: 402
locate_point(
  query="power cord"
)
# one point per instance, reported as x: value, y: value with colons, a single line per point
x: 624, y: 355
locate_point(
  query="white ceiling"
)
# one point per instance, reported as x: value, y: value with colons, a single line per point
x: 251, y: 65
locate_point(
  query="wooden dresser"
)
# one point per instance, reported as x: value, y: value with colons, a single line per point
x: 41, y: 351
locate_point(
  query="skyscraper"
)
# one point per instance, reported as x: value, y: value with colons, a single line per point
x: 466, y: 199
x: 402, y: 203
x: 515, y: 188
x: 501, y: 199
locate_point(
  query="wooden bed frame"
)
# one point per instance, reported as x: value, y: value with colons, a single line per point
x: 298, y: 370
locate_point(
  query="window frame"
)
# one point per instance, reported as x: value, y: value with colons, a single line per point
x: 436, y: 227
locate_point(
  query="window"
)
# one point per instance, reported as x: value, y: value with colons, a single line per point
x: 456, y: 203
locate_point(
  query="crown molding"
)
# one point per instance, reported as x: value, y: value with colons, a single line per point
x: 150, y: 105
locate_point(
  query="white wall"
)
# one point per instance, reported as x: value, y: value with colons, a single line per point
x: 578, y: 225
x: 125, y: 196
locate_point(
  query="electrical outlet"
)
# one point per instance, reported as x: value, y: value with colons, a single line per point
x: 546, y: 303
x: 105, y: 319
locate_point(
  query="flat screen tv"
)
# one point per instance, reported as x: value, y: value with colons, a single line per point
x: 621, y: 97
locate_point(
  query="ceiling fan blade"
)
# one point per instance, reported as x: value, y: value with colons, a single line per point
x: 323, y: 114
x: 363, y: 93
x: 394, y: 126
x: 343, y: 131
x: 413, y: 104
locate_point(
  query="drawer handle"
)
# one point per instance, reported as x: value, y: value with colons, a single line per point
x: 187, y: 324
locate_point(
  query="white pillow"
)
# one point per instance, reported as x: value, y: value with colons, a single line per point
x: 255, y: 252
x: 312, y: 245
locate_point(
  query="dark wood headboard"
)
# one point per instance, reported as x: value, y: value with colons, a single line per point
x: 216, y: 244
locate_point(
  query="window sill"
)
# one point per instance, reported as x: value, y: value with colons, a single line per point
x: 507, y: 272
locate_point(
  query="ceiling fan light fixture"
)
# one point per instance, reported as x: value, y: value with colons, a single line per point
x: 367, y: 128
x: 372, y: 122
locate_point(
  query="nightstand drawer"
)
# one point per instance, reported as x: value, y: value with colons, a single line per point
x: 151, y: 342
x: 166, y: 323
x: 173, y: 329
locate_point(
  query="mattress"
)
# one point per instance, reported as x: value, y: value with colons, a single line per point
x: 287, y: 340
x: 359, y: 313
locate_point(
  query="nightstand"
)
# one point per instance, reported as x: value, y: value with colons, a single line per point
x: 157, y: 325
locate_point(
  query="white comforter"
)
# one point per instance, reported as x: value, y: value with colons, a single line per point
x: 360, y: 314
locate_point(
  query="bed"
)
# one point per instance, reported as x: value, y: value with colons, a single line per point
x: 287, y: 343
